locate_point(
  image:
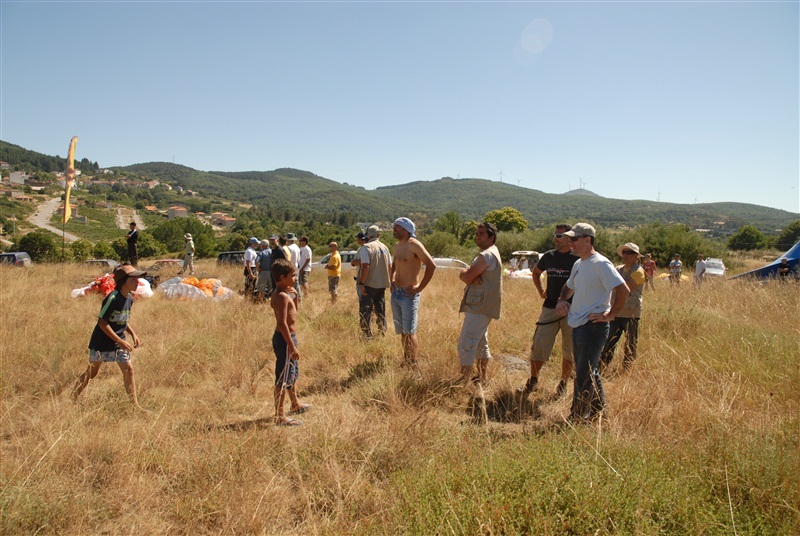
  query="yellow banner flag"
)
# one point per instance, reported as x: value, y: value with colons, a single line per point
x: 70, y: 178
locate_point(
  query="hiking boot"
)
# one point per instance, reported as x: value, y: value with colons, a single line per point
x: 530, y: 386
x: 561, y: 390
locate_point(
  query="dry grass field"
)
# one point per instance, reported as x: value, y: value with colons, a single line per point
x: 701, y: 435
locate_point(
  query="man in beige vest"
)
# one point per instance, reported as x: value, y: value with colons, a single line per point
x: 481, y: 303
x: 627, y: 321
x: 373, y: 281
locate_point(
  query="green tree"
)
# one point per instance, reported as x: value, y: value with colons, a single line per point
x: 746, y: 238
x: 789, y: 236
x: 449, y: 222
x: 39, y: 244
x: 81, y: 249
x: 103, y: 250
x: 664, y: 241
x: 506, y: 219
x: 468, y: 232
x: 170, y: 234
x: 441, y: 244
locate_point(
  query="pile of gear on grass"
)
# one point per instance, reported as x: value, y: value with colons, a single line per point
x: 182, y: 288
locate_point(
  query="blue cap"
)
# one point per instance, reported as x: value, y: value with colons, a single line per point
x: 253, y: 239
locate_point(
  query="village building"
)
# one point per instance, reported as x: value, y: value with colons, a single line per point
x: 177, y: 212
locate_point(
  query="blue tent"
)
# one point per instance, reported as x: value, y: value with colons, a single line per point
x: 771, y: 270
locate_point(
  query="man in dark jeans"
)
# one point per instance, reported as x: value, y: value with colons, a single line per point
x: 374, y: 279
x: 133, y: 237
x: 590, y: 283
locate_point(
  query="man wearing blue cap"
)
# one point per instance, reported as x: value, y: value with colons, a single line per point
x: 409, y: 256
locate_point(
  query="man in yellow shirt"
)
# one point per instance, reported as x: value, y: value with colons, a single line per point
x: 334, y: 268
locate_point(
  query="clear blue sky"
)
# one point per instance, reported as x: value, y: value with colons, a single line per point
x: 689, y: 101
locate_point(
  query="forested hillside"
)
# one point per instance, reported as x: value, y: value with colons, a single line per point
x: 304, y: 192
x: 472, y: 198
x: 33, y: 161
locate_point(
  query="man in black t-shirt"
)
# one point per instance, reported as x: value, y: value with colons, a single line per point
x: 557, y: 263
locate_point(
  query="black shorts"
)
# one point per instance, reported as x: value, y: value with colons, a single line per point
x: 286, y: 370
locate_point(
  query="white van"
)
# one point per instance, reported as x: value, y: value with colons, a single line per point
x: 347, y: 256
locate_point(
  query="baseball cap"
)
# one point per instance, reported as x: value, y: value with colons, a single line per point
x: 581, y: 229
x: 361, y: 235
x: 130, y: 270
x: 253, y: 240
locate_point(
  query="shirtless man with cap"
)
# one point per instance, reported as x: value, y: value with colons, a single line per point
x: 409, y: 255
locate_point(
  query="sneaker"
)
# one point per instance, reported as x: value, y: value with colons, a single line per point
x: 561, y: 390
x: 530, y: 386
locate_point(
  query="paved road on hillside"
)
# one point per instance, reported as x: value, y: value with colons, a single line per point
x: 123, y: 222
x: 41, y: 218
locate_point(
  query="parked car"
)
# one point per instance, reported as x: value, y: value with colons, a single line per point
x: 231, y: 257
x: 107, y: 265
x: 347, y: 256
x: 449, y: 262
x: 715, y: 267
x: 166, y: 264
x: 17, y: 258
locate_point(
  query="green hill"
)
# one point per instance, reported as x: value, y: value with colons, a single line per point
x: 296, y: 190
x: 472, y: 198
x: 32, y: 161
x: 278, y: 189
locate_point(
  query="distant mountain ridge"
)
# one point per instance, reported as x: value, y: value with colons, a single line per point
x: 471, y: 198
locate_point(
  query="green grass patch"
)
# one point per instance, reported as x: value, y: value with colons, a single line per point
x: 558, y: 484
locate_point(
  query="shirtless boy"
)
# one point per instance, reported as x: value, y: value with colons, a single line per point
x: 409, y: 255
x: 284, y: 341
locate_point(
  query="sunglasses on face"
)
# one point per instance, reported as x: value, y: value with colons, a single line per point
x: 575, y: 238
x: 558, y: 235
x: 628, y: 252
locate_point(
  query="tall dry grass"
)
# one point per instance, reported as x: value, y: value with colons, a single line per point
x: 701, y: 435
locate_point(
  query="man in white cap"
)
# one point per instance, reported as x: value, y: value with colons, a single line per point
x: 250, y: 273
x: 409, y: 255
x: 188, y: 257
x: 373, y: 280
x: 590, y: 283
x: 627, y: 320
x: 294, y: 258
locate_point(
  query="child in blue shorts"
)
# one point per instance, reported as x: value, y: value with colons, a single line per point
x: 284, y: 341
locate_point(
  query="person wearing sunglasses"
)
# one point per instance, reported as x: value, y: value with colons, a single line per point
x: 590, y: 285
x: 557, y: 264
x: 627, y: 321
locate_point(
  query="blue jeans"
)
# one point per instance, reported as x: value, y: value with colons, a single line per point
x: 405, y: 310
x: 587, y: 344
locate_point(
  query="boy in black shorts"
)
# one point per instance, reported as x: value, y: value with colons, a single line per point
x: 108, y: 344
x: 284, y: 341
